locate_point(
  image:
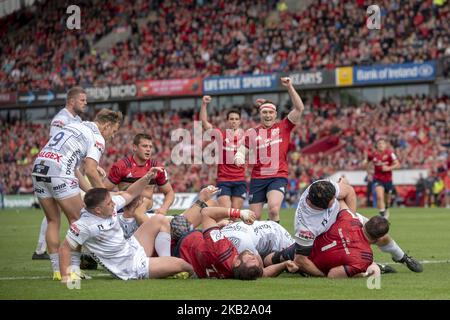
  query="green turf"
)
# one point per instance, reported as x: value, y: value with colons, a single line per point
x: 424, y: 233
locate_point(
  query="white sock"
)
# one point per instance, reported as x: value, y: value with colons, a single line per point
x: 54, y: 258
x: 162, y: 244
x: 75, y: 259
x: 393, y: 248
x: 42, y: 245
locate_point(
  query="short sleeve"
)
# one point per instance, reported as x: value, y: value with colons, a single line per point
x: 78, y: 233
x: 115, y: 173
x: 217, y: 244
x: 119, y: 201
x: 162, y: 178
x: 96, y: 147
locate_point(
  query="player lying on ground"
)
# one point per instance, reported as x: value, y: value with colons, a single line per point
x: 263, y: 237
x: 317, y: 211
x: 210, y: 252
x: 99, y: 231
x: 344, y: 250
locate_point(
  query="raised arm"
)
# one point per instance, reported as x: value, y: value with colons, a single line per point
x: 203, y: 113
x: 136, y: 188
x: 298, y: 107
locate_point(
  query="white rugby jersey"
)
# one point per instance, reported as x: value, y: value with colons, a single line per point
x: 61, y: 119
x: 67, y: 147
x: 262, y: 237
x: 104, y: 239
x: 310, y: 223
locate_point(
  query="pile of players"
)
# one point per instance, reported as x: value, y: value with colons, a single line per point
x: 111, y: 224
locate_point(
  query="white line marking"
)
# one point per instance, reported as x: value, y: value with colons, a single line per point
x: 48, y: 277
x: 109, y: 275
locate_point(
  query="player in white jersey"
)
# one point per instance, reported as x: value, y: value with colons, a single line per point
x: 98, y: 230
x: 76, y: 103
x: 54, y: 176
x: 317, y: 211
x: 262, y: 237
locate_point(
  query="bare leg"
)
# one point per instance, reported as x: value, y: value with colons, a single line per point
x: 163, y: 267
x: 274, y: 200
x: 224, y: 201
x: 148, y: 231
x: 71, y: 207
x: 53, y: 215
x: 257, y: 209
x: 237, y: 202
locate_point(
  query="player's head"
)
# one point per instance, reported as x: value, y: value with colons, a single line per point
x: 267, y: 113
x: 76, y: 100
x: 234, y: 119
x: 108, y: 122
x: 247, y: 266
x: 321, y: 194
x: 376, y: 228
x: 381, y: 144
x: 142, y: 146
x: 98, y: 201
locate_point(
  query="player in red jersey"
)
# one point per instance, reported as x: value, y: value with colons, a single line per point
x: 129, y: 169
x: 210, y: 252
x: 230, y: 177
x: 268, y: 147
x: 384, y: 161
x: 344, y: 250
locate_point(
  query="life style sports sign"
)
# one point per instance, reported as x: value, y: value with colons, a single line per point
x: 241, y: 84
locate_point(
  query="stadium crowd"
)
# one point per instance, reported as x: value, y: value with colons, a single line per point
x: 246, y: 37
x: 417, y: 128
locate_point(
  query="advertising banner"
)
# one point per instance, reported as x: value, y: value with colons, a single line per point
x: 241, y: 84
x: 170, y: 87
x: 395, y: 73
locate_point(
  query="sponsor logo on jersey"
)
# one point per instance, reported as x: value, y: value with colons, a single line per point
x: 41, y: 168
x: 216, y: 235
x: 74, y: 229
x: 39, y: 190
x: 235, y: 241
x: 74, y: 184
x: 261, y: 227
x: 72, y: 161
x: 50, y: 155
x: 59, y: 186
x: 306, y: 234
x: 58, y: 123
x: 100, y: 146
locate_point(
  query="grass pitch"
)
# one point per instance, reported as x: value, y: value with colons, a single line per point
x: 423, y: 233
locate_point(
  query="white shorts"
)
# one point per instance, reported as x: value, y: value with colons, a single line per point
x: 55, y: 187
x: 141, y: 263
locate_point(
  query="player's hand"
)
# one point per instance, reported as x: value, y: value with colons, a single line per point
x: 206, y: 99
x: 286, y: 81
x: 153, y: 172
x: 372, y: 270
x: 291, y: 266
x: 248, y: 216
x: 207, y: 193
x: 385, y: 168
x: 260, y: 101
x: 239, y: 159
